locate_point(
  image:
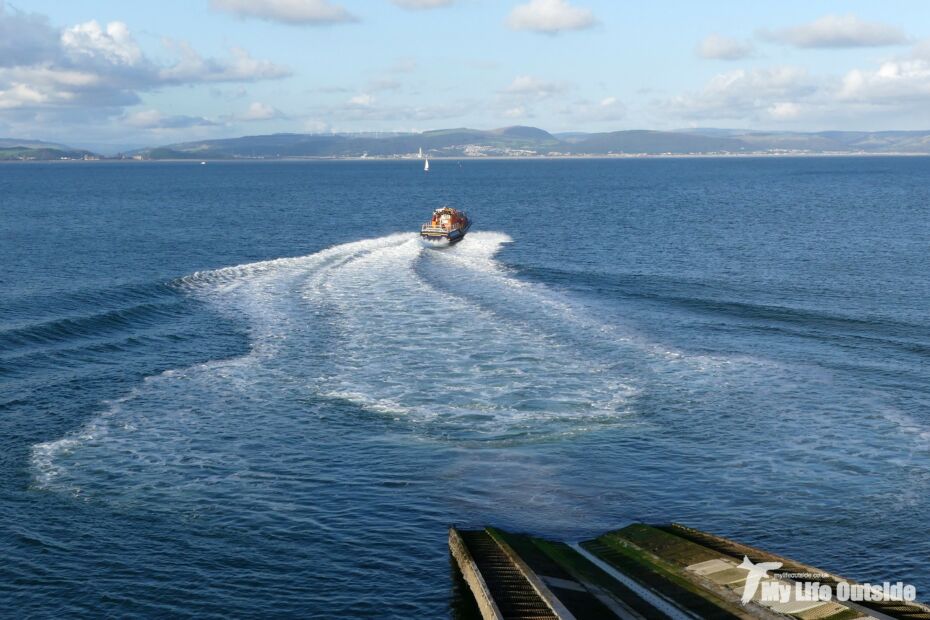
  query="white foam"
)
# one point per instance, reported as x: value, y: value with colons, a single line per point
x: 446, y: 341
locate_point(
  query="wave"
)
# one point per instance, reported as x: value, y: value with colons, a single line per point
x: 26, y: 310
x: 714, y: 300
x: 68, y: 329
x: 447, y: 345
x: 23, y: 365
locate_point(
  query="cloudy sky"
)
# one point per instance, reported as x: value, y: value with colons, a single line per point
x: 107, y: 72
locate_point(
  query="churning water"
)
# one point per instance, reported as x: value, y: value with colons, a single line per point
x: 246, y: 389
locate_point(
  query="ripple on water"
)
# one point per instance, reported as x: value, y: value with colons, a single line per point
x: 367, y: 352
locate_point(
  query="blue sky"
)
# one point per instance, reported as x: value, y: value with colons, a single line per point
x: 101, y: 72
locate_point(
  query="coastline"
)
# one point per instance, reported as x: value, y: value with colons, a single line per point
x: 622, y: 156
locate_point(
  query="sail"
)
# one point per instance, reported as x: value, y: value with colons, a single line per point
x: 426, y: 166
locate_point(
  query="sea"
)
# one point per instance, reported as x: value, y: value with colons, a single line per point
x: 244, y: 389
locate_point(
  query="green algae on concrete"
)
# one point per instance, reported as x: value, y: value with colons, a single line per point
x: 643, y: 571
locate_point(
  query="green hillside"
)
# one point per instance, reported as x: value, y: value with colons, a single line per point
x: 530, y: 141
x: 24, y: 153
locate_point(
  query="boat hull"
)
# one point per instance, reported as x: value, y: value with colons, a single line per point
x: 444, y: 239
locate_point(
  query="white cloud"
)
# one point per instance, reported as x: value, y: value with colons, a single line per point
x: 550, y: 17
x: 111, y: 45
x: 21, y: 95
x: 532, y: 87
x: 316, y: 126
x: 91, y: 73
x: 784, y: 110
x: 259, y: 111
x: 286, y: 11
x: 153, y: 119
x: 723, y: 48
x: 241, y: 67
x: 746, y: 94
x: 837, y: 31
x: 606, y: 109
x: 894, y: 82
x: 422, y: 4
x: 364, y: 107
x: 36, y: 87
x: 363, y: 100
x: 892, y: 93
x: 526, y: 92
x: 610, y: 108
x: 921, y: 50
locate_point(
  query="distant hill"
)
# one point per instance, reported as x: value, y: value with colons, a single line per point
x: 654, y: 142
x: 32, y: 144
x: 523, y: 141
x: 17, y: 149
x: 524, y: 133
x: 437, y: 143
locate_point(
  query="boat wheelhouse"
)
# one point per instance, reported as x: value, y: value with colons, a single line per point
x: 447, y: 226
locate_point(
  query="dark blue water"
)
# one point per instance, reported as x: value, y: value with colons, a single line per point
x: 244, y: 389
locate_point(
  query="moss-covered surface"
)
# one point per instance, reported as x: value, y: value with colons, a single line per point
x: 661, y: 576
x: 736, y: 550
x: 584, y: 571
x: 667, y: 546
x: 655, y: 557
x: 846, y: 614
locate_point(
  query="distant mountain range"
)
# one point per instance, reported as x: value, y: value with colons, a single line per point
x: 531, y: 141
x: 12, y: 149
x: 506, y: 142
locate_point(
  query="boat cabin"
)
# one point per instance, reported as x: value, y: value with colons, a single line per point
x: 447, y: 218
x: 447, y: 226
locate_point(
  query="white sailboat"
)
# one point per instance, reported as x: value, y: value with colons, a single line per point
x: 426, y: 165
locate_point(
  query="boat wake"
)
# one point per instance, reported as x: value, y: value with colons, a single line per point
x: 441, y: 346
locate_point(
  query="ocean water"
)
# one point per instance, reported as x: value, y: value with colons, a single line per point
x: 244, y: 389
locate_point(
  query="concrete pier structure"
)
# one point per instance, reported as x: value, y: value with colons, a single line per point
x: 645, y: 572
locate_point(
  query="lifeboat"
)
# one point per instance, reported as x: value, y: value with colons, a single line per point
x: 447, y: 226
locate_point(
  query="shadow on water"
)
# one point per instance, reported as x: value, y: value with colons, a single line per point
x: 462, y: 605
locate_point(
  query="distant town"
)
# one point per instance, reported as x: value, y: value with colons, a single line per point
x: 507, y: 142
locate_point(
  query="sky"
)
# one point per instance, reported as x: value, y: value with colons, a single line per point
x: 115, y: 74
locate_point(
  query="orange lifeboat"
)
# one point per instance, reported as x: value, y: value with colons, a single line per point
x: 446, y: 227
